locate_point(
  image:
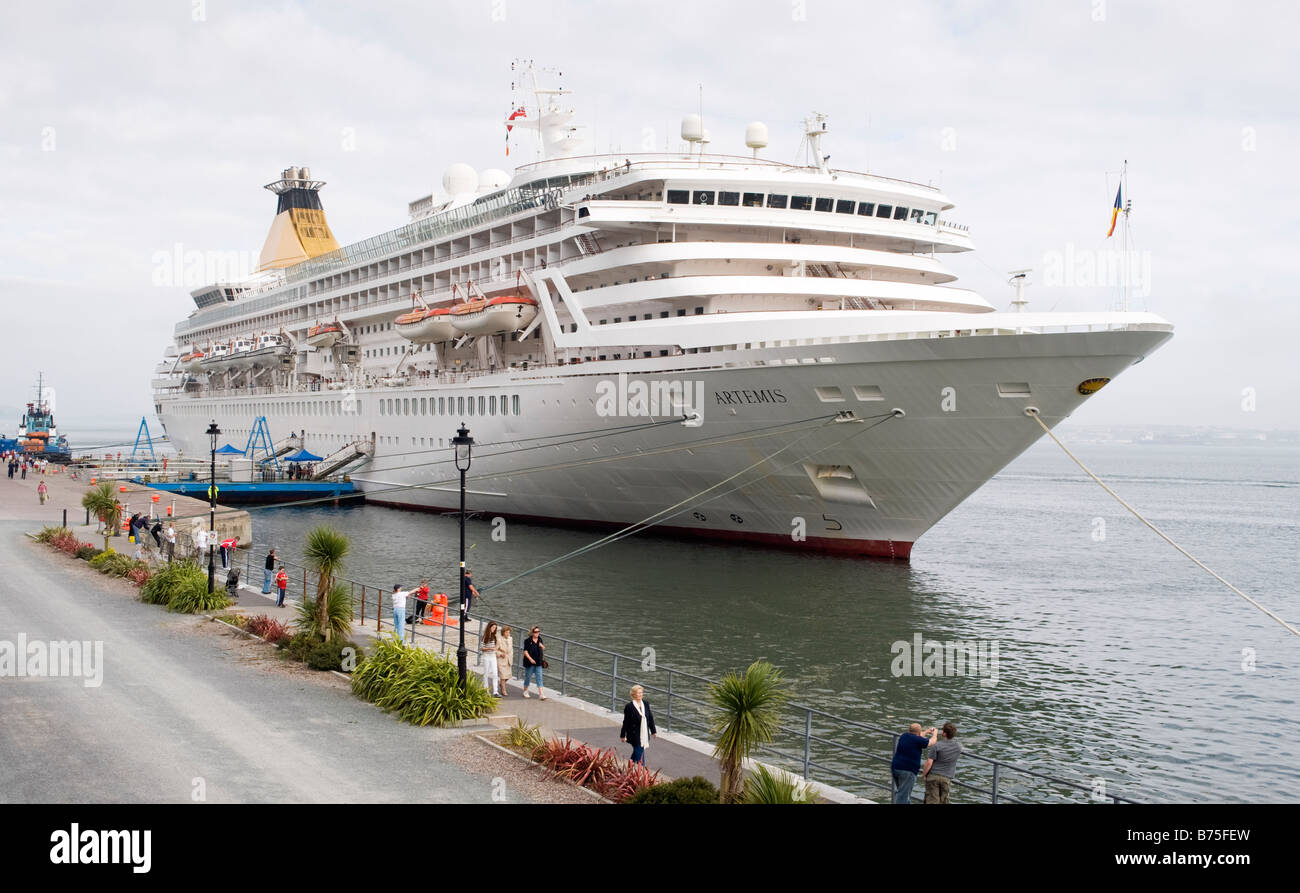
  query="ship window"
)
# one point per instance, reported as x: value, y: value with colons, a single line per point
x: 482, y: 405
x: 824, y: 204
x: 679, y: 197
x: 663, y: 314
x: 801, y: 203
x: 729, y: 198
x: 704, y: 197
x: 492, y: 405
x: 900, y: 213
x: 619, y: 318
x: 460, y: 406
x: 776, y: 201
x: 699, y: 311
x: 884, y: 211
x: 753, y: 200
x: 442, y: 406
x: 514, y: 404
x: 469, y: 410
x: 681, y: 312
x: 916, y: 215
x: 423, y: 408
x: 843, y: 206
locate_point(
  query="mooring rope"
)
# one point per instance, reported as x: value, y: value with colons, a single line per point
x: 1033, y: 414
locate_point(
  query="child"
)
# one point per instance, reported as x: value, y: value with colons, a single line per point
x: 281, y: 583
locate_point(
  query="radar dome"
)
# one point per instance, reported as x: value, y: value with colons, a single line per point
x: 459, y: 179
x: 756, y: 135
x: 492, y: 179
x: 692, y: 128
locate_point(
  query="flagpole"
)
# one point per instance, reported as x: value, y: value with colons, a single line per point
x: 1124, y: 262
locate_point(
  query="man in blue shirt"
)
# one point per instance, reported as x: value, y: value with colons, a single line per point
x: 907, y: 759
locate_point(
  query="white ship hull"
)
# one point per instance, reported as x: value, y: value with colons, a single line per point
x: 905, y: 473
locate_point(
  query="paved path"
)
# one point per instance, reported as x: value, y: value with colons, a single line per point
x: 175, y: 705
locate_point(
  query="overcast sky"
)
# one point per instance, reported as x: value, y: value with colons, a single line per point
x: 130, y: 128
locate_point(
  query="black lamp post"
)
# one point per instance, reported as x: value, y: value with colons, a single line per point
x: 213, y: 433
x: 464, y: 446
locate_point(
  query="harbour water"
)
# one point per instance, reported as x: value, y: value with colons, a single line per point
x: 1117, y: 657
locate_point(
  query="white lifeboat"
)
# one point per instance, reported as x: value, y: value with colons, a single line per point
x: 324, y: 335
x: 241, y: 353
x: 426, y: 326
x: 192, y: 361
x: 497, y: 316
x: 270, y: 349
x: 218, y: 358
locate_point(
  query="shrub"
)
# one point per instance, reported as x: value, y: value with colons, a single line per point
x: 274, y: 631
x: 238, y: 620
x: 523, y: 736
x: 682, y: 790
x: 115, y: 564
x: 339, y: 609
x: 192, y: 597
x: 578, y: 762
x: 138, y: 575
x: 421, y: 687
x: 48, y: 533
x: 167, y: 579
x: 299, y: 645
x: 87, y: 552
x: 763, y: 786
x: 627, y: 781
x: 336, y: 654
x: 66, y: 541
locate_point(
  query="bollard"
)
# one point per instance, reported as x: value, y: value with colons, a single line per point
x: 87, y: 516
x: 65, y: 517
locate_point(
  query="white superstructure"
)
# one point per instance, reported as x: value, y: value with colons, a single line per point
x: 774, y: 352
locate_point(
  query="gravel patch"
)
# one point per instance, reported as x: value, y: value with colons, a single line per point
x: 512, y: 781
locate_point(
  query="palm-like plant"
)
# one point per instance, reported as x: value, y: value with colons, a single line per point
x: 325, y: 550
x: 748, y: 713
x: 102, y: 503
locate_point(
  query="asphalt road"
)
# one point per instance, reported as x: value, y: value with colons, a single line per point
x: 181, y: 710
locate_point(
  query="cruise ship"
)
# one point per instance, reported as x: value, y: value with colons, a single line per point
x: 722, y: 346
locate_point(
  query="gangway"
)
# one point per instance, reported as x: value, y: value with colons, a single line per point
x: 337, y: 461
x: 290, y: 444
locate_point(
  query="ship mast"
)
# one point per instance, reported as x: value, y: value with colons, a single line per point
x: 1126, y: 255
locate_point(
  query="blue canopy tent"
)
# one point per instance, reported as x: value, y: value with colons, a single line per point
x: 303, y: 456
x: 229, y: 450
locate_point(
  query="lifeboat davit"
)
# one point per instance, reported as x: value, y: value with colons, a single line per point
x: 430, y: 326
x: 498, y: 316
x: 325, y: 335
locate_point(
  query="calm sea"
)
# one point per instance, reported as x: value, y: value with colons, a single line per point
x: 1118, y: 660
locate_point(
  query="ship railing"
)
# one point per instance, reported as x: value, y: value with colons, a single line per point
x: 821, y: 746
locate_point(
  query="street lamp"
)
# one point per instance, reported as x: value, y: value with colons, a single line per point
x: 464, y: 447
x: 213, y: 433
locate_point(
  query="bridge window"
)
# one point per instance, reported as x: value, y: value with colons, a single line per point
x: 679, y: 197
x: 753, y: 200
x: 916, y: 215
x: 884, y: 211
x: 704, y: 197
x: 801, y: 203
x: 824, y: 204
x: 776, y: 201
x: 843, y: 206
x: 729, y: 198
x: 930, y: 217
x: 866, y: 209
x: 900, y: 213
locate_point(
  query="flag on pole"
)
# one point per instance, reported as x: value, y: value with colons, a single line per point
x: 517, y: 113
x: 1114, y: 213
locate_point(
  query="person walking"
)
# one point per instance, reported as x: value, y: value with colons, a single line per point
x: 534, y: 661
x: 942, y: 764
x: 24, y: 470
x: 155, y: 532
x: 907, y: 760
x: 171, y: 542
x: 505, y: 656
x: 467, y: 592
x: 487, y: 649
x: 638, y: 724
x: 269, y: 572
x: 42, y: 491
x: 282, y: 585
x: 399, y: 610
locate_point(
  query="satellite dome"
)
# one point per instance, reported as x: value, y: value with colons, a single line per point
x: 692, y: 128
x: 492, y: 179
x: 460, y: 179
x: 756, y: 135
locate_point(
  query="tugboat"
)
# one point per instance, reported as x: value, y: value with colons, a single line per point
x: 37, y: 435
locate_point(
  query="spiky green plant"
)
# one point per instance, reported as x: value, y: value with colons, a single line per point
x: 338, y: 614
x: 49, y: 533
x: 747, y: 715
x: 325, y: 550
x: 421, y: 687
x: 764, y: 786
x: 102, y: 503
x: 524, y: 736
